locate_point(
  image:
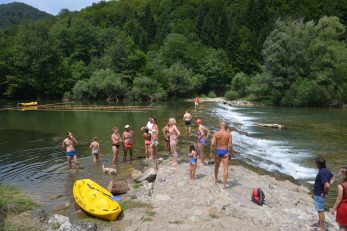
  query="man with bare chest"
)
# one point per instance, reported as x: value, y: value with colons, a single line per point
x: 223, y: 141
x: 69, y: 147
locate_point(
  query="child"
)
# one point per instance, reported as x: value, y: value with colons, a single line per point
x: 95, y: 146
x: 322, y: 184
x: 154, y: 143
x: 147, y: 137
x: 193, y: 160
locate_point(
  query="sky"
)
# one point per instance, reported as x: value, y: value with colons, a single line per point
x: 54, y: 6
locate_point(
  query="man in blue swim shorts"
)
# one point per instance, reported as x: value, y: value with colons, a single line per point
x: 223, y: 141
x: 69, y: 147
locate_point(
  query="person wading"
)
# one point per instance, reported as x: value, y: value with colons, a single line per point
x: 128, y: 142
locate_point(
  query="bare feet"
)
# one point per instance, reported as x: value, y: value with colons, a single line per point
x: 226, y: 186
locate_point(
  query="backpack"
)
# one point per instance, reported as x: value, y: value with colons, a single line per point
x: 258, y: 196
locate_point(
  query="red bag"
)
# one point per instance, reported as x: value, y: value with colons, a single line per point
x: 258, y: 196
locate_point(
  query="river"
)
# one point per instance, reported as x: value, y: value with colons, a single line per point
x: 32, y: 159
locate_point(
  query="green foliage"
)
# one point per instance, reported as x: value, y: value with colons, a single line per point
x: 212, y: 94
x: 240, y: 83
x: 103, y: 84
x: 15, y: 13
x: 231, y: 95
x: 145, y: 88
x: 283, y: 52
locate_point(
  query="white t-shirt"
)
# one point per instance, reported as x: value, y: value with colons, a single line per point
x: 149, y: 126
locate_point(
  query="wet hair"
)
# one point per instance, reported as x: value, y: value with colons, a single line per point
x: 95, y: 138
x: 155, y: 120
x: 68, y: 133
x: 192, y: 147
x: 146, y: 130
x: 320, y: 163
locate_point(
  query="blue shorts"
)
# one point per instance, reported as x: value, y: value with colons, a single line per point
x: 193, y: 161
x: 221, y: 152
x: 73, y: 153
x: 319, y: 203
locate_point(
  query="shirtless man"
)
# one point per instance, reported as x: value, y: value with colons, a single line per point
x: 116, y: 140
x: 128, y: 138
x: 69, y: 147
x: 187, y: 120
x: 223, y: 141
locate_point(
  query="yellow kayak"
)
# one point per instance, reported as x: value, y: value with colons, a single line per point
x: 27, y: 104
x: 95, y: 200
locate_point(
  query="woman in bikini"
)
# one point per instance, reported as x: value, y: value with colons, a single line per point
x: 203, y: 134
x: 116, y: 140
x: 147, y: 137
x: 174, y: 134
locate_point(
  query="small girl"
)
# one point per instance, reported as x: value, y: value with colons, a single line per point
x: 95, y: 146
x: 154, y: 143
x: 147, y: 137
x: 192, y: 161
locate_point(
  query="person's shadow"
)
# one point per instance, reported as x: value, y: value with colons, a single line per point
x: 199, y: 176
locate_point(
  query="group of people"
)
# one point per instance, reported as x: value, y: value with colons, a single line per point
x: 323, y: 182
x: 221, y: 148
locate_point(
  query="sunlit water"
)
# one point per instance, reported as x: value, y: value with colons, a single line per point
x: 32, y: 158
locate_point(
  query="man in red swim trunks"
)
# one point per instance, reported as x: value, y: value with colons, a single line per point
x: 128, y: 142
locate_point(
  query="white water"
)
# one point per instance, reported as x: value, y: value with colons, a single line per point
x: 271, y: 155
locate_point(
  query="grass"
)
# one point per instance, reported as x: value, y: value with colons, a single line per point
x: 14, y: 200
x: 97, y: 221
x: 138, y: 185
x: 129, y: 204
x: 177, y: 222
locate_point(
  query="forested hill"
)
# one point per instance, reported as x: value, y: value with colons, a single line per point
x: 285, y: 52
x: 15, y: 13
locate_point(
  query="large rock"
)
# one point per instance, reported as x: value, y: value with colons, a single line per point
x: 87, y: 226
x: 118, y: 187
x: 149, y: 175
x: 58, y: 220
x: 67, y: 226
x: 135, y: 174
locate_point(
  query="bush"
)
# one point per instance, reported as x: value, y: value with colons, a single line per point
x: 231, y: 95
x: 145, y: 88
x: 240, y: 83
x: 211, y: 94
x: 103, y: 84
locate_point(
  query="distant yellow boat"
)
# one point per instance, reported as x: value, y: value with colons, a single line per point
x: 95, y: 200
x: 31, y: 104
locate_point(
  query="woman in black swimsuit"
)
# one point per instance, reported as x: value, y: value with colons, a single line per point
x: 115, y: 137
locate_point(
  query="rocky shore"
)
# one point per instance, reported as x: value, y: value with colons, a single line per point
x: 177, y: 203
x: 166, y: 199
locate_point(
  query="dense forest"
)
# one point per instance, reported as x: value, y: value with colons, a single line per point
x: 283, y: 52
x: 15, y: 13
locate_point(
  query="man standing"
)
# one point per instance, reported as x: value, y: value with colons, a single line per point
x: 187, y: 120
x: 69, y: 147
x: 128, y: 138
x: 322, y: 184
x: 223, y: 141
x: 196, y: 102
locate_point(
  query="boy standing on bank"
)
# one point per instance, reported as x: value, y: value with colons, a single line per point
x: 322, y: 184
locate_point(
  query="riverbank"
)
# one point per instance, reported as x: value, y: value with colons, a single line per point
x: 178, y: 203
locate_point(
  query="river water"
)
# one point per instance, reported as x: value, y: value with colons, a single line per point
x: 32, y: 159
